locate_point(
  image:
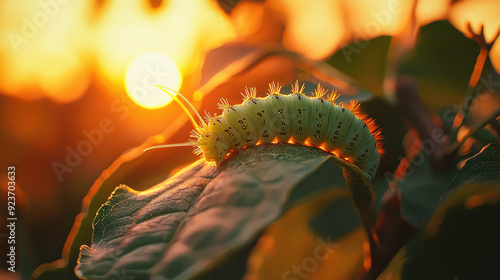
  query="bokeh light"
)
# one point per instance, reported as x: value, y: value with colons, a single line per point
x: 313, y: 28
x: 146, y: 71
x: 369, y: 19
x: 432, y: 10
x: 480, y: 14
x: 495, y: 56
x: 51, y: 34
x: 477, y: 13
x: 183, y: 30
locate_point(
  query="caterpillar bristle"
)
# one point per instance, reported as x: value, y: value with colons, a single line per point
x: 355, y: 107
x: 224, y: 104
x: 250, y: 93
x: 274, y: 89
x: 320, y: 91
x: 296, y: 89
x: 198, y: 151
x: 195, y: 134
x: 208, y: 117
x: 332, y: 97
x: 377, y: 134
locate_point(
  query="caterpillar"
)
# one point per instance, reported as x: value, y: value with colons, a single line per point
x: 294, y: 118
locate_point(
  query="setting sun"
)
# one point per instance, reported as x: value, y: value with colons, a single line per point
x: 146, y: 71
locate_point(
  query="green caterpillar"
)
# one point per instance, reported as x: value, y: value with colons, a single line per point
x: 293, y: 118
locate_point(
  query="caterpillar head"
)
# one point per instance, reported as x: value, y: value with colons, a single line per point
x: 213, y: 145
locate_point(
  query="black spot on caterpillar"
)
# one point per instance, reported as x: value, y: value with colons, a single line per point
x: 294, y: 118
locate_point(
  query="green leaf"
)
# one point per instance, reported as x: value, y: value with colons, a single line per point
x: 461, y: 239
x: 422, y: 190
x: 482, y: 167
x: 308, y: 243
x: 203, y: 214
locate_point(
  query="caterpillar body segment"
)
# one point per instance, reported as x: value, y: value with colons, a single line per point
x: 369, y: 163
x: 241, y: 122
x: 319, y: 120
x: 294, y: 118
x: 259, y: 115
x: 353, y: 129
x: 218, y: 135
x: 299, y: 115
x: 277, y: 106
x: 339, y: 123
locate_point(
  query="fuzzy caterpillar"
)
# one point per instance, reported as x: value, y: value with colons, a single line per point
x: 293, y: 118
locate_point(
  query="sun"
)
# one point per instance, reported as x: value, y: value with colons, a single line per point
x: 146, y: 71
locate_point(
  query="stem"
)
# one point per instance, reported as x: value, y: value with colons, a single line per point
x: 401, y: 43
x: 474, y: 79
x: 416, y: 113
x: 489, y: 119
x: 478, y: 69
x: 496, y: 126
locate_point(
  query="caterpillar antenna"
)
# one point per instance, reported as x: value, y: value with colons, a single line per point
x: 174, y: 96
x: 187, y: 144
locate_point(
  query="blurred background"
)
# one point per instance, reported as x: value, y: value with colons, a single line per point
x: 77, y: 82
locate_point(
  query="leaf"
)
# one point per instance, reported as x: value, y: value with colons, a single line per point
x: 291, y: 248
x: 232, y: 59
x: 119, y: 170
x: 422, y: 190
x: 481, y: 167
x: 461, y: 239
x: 192, y: 222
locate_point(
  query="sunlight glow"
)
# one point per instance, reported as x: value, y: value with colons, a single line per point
x: 197, y: 95
x: 57, y: 49
x: 183, y: 30
x: 477, y: 13
x: 146, y: 71
x: 315, y: 30
x: 43, y: 53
